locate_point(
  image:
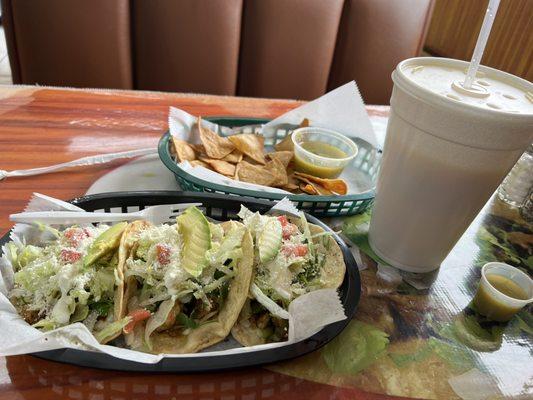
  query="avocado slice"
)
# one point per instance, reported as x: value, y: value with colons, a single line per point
x: 105, y: 242
x: 269, y: 242
x: 196, y: 233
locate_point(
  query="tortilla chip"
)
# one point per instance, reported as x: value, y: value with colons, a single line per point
x: 198, y: 148
x: 291, y: 187
x: 251, y: 145
x: 184, y: 151
x: 286, y: 144
x: 321, y: 190
x: 220, y: 166
x: 308, y: 188
x: 215, y: 146
x: 199, y: 163
x: 247, y: 172
x: 335, y: 185
x: 284, y: 156
x: 234, y: 157
x: 276, y: 168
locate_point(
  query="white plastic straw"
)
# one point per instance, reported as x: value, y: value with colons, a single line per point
x: 481, y: 42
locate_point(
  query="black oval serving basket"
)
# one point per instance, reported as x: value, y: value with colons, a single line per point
x: 219, y: 207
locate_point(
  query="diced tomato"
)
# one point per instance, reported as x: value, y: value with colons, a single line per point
x: 70, y: 256
x: 87, y: 232
x: 283, y: 220
x: 298, y: 250
x: 136, y: 316
x: 163, y: 253
x: 287, y: 228
x: 75, y: 236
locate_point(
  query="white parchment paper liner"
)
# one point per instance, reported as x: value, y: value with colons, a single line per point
x: 341, y: 110
x: 308, y: 314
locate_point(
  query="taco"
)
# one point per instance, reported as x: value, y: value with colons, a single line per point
x: 292, y: 257
x: 72, y: 278
x: 185, y: 283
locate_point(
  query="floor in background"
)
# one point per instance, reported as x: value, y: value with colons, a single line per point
x: 5, y: 69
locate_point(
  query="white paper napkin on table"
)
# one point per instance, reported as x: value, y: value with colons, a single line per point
x: 307, y: 315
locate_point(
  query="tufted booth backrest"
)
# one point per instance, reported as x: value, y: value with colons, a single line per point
x: 259, y: 48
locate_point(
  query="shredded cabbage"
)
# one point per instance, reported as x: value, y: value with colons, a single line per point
x: 269, y: 304
x: 91, y: 319
x: 27, y: 255
x: 231, y: 241
x: 158, y: 319
x: 51, y: 279
x: 63, y: 309
x: 307, y: 235
x: 112, y: 329
x: 216, y: 284
x: 45, y: 324
x: 255, y: 222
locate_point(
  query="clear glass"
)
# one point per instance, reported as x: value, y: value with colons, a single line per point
x: 516, y: 185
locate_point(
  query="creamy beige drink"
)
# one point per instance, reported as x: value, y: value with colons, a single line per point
x: 447, y: 150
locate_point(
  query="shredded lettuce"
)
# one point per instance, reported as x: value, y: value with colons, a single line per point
x: 112, y: 329
x: 158, y: 319
x: 255, y: 222
x: 103, y: 283
x: 230, y: 242
x: 28, y: 254
x: 47, y: 228
x: 63, y: 309
x: 268, y: 303
x: 45, y: 324
x: 12, y: 253
x: 307, y: 235
x: 217, y: 232
x: 91, y: 319
x: 51, y: 279
x: 217, y: 283
x: 80, y: 313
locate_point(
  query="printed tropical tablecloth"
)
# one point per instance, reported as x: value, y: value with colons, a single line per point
x: 419, y: 336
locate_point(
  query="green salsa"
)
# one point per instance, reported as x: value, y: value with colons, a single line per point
x: 321, y: 149
x: 487, y: 305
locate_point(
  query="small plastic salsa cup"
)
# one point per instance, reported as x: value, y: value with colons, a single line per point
x: 331, y: 151
x: 491, y: 302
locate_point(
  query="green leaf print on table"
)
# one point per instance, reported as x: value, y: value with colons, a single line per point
x: 357, y: 347
x: 457, y: 357
x: 500, y: 239
x: 356, y: 229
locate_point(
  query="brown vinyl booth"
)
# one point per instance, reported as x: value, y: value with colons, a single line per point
x: 258, y: 48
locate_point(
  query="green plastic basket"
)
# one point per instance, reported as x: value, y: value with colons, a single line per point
x: 367, y: 162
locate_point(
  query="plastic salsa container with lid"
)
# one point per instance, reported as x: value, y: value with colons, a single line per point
x: 322, y: 152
